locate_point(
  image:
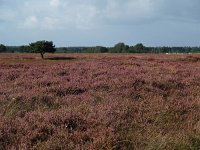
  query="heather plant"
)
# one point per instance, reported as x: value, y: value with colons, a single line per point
x: 100, y: 102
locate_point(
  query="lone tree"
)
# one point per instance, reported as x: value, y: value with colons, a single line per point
x: 42, y: 47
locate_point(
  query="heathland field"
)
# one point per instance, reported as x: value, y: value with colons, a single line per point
x: 100, y: 102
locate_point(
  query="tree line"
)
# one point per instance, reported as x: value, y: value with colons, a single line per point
x: 47, y: 46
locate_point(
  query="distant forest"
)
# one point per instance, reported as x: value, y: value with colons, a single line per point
x: 118, y: 48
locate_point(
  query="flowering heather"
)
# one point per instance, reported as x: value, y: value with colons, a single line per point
x: 99, y: 102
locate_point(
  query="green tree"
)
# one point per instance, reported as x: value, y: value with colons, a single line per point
x: 125, y: 49
x: 139, y: 48
x: 120, y: 48
x: 42, y: 47
x: 101, y: 49
x: 131, y: 49
x: 2, y: 48
x: 24, y: 49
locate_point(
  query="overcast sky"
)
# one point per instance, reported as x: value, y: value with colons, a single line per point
x: 101, y: 22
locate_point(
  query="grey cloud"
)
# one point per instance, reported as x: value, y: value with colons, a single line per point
x: 185, y: 10
x: 153, y: 10
x: 120, y: 20
x: 93, y: 13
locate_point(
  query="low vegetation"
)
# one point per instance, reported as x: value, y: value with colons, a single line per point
x: 117, y: 48
x: 102, y: 102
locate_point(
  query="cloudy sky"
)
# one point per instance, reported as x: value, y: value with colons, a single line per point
x: 101, y: 22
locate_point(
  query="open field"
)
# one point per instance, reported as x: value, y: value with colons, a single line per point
x: 100, y: 102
